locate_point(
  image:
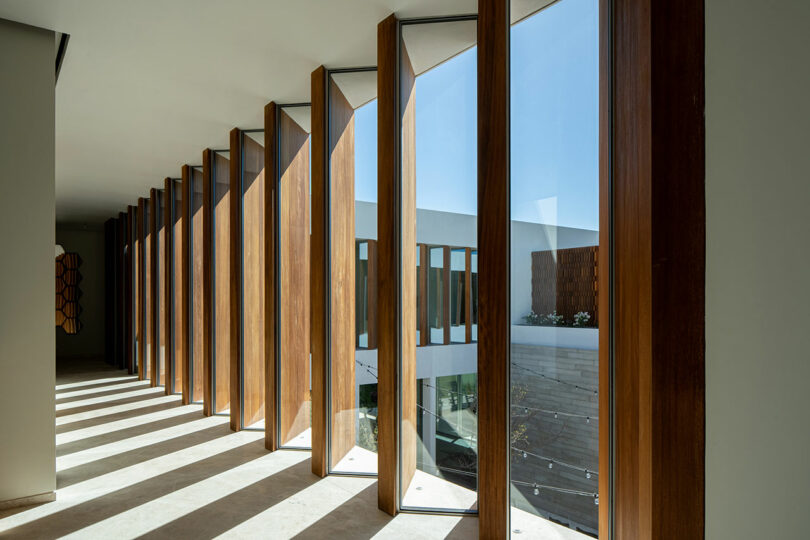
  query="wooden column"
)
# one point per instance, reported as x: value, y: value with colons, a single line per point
x: 168, y: 272
x: 341, y: 286
x: 293, y: 292
x: 493, y: 274
x: 185, y: 264
x: 235, y: 308
x: 140, y: 330
x: 205, y: 301
x: 319, y: 273
x: 396, y: 250
x: 129, y: 278
x: 655, y: 123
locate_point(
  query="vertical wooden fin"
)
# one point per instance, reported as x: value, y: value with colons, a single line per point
x: 493, y: 274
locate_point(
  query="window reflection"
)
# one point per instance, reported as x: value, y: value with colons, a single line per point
x: 554, y: 252
x: 439, y: 389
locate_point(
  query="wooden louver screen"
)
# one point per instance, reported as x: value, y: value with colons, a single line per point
x: 565, y: 281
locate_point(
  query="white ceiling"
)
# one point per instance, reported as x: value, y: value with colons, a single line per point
x: 146, y: 85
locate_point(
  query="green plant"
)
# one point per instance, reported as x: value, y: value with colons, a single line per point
x: 582, y: 318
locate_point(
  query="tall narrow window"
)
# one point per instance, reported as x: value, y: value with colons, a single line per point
x: 293, y: 359
x: 160, y: 299
x: 221, y: 311
x: 137, y: 286
x: 148, y: 297
x: 196, y: 288
x: 554, y: 187
x: 352, y: 181
x: 178, y: 366
x: 438, y: 392
x: 253, y: 281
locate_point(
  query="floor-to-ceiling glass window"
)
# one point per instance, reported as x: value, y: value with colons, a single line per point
x: 198, y: 332
x: 160, y: 301
x: 137, y: 299
x: 352, y: 180
x: 220, y: 288
x: 554, y: 75
x: 148, y: 297
x: 253, y: 279
x: 438, y: 381
x: 178, y: 366
x: 293, y: 358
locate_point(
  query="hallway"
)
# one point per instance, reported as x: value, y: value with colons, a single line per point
x: 132, y: 462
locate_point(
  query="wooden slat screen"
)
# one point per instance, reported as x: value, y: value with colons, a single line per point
x: 565, y: 281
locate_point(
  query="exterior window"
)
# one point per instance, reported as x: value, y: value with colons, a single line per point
x: 221, y: 277
x: 554, y: 249
x: 137, y: 305
x: 293, y: 358
x: 436, y: 288
x: 178, y: 367
x: 195, y: 257
x: 352, y: 181
x: 253, y: 282
x: 147, y: 289
x: 160, y: 301
x: 438, y: 388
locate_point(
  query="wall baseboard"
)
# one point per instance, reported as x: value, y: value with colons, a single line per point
x: 49, y: 496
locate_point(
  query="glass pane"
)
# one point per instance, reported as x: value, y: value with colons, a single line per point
x: 439, y: 433
x: 436, y: 289
x: 178, y: 367
x: 353, y: 288
x: 147, y: 289
x: 137, y: 306
x: 198, y: 333
x: 293, y: 358
x: 161, y: 297
x: 554, y: 246
x: 221, y: 313
x: 253, y: 216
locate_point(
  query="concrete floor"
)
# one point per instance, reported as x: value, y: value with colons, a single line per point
x: 132, y: 462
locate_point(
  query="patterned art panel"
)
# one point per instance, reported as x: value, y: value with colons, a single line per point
x: 68, y: 292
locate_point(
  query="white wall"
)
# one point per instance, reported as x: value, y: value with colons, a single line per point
x: 757, y: 269
x: 461, y: 230
x: 27, y: 451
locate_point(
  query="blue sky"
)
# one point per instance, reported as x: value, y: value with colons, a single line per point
x: 554, y: 124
